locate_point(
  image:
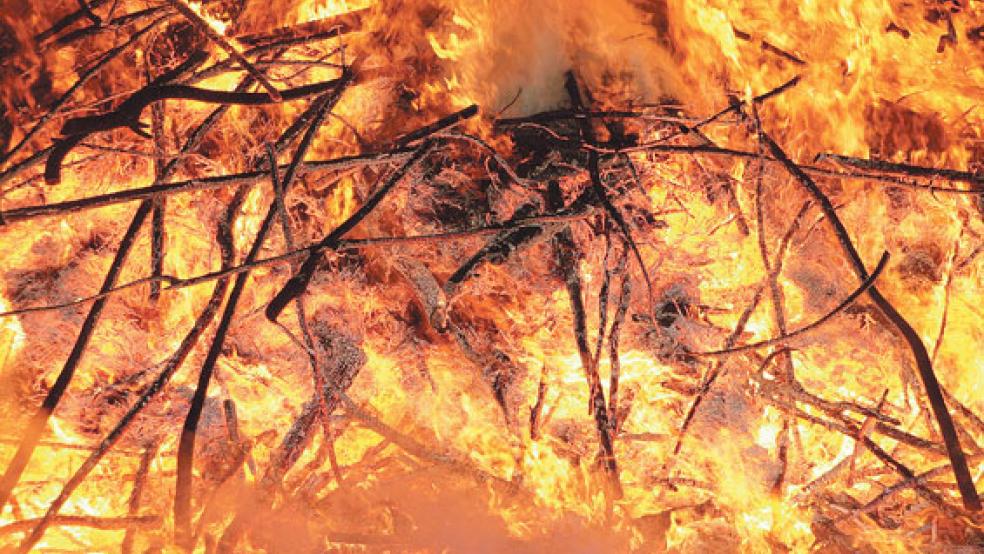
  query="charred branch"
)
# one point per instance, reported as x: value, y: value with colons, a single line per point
x: 908, y: 170
x: 128, y: 113
x: 84, y: 78
x: 195, y: 185
x: 866, y: 286
x: 299, y: 282
x: 614, y: 418
x: 566, y: 254
x: 39, y: 422
x: 182, y: 497
x: 225, y: 240
x: 968, y: 490
x: 234, y: 53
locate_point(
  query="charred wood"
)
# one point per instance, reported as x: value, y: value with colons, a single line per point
x: 136, y: 495
x: 176, y: 360
x: 128, y: 113
x: 968, y: 490
x: 182, y: 500
x: 299, y: 282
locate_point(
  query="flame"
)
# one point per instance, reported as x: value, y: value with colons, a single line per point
x: 441, y: 452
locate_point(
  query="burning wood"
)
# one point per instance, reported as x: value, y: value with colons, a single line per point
x: 383, y: 235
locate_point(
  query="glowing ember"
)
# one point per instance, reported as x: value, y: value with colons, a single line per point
x: 472, y: 276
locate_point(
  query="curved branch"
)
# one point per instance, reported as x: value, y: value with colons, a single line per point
x: 128, y: 113
x: 783, y: 339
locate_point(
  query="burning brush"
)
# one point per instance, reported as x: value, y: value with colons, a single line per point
x: 465, y: 276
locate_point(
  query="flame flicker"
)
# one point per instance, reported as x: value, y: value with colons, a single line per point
x: 475, y: 276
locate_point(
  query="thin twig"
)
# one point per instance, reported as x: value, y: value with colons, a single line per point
x: 947, y: 290
x: 736, y: 106
x: 851, y: 430
x: 783, y: 339
x: 566, y: 254
x: 976, y: 181
x: 902, y: 169
x: 157, y: 219
x: 901, y: 486
x: 135, y: 495
x: 536, y: 412
x: 128, y: 113
x: 965, y: 481
x: 111, y: 24
x: 66, y: 22
x: 177, y: 283
x: 192, y: 185
x: 598, y: 187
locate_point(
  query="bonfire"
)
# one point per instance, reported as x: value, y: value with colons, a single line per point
x: 475, y: 276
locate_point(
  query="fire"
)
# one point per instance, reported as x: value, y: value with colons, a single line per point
x: 585, y: 315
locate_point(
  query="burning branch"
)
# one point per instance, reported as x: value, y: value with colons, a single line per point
x: 128, y: 113
x: 135, y: 496
x: 784, y: 339
x: 84, y: 78
x: 136, y: 522
x: 182, y: 496
x: 36, y: 427
x: 206, y: 28
x: 299, y: 282
x: 961, y: 471
x: 224, y: 238
x: 454, y: 285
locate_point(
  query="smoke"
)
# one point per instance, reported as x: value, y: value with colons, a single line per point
x: 516, y: 52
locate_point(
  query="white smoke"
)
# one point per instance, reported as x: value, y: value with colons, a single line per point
x: 522, y: 49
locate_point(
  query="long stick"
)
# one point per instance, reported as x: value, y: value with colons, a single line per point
x: 178, y: 358
x: 961, y: 471
x: 299, y: 282
x: 92, y: 522
x: 186, y: 446
x: 175, y: 283
x: 191, y: 185
x: 36, y: 426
